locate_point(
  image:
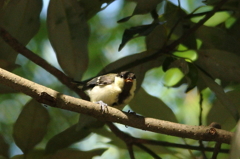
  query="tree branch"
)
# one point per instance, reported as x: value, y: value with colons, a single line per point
x: 55, y: 99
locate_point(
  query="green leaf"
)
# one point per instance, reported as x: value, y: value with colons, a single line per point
x: 220, y: 64
x: 142, y: 7
x: 137, y: 31
x: 221, y: 95
x: 69, y: 33
x: 4, y: 147
x: 66, y: 138
x: 172, y: 77
x: 189, y: 55
x: 218, y: 113
x: 74, y: 154
x: 21, y: 19
x: 31, y: 126
x: 150, y: 106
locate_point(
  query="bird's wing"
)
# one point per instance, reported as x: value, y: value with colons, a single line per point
x: 100, y: 80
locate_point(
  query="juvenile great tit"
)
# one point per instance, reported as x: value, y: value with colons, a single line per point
x: 114, y: 90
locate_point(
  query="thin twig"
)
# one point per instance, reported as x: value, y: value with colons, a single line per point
x: 217, y: 147
x: 168, y: 144
x: 127, y: 138
x: 130, y: 151
x: 201, y: 145
x: 147, y: 150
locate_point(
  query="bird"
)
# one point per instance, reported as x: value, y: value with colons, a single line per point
x: 113, y: 89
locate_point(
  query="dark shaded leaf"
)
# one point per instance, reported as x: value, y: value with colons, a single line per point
x: 157, y: 38
x: 137, y: 31
x: 5, y: 89
x: 76, y: 154
x: 167, y: 62
x: 34, y: 154
x: 68, y: 33
x: 142, y: 7
x: 218, y: 113
x: 192, y: 76
x: 217, y: 39
x: 234, y: 30
x: 21, y: 19
x: 66, y: 138
x: 4, y: 147
x: 92, y: 7
x: 220, y: 64
x: 154, y: 106
x: 31, y: 126
x: 173, y: 15
x: 221, y: 95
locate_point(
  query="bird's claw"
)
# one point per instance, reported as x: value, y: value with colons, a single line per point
x: 134, y: 113
x: 102, y: 105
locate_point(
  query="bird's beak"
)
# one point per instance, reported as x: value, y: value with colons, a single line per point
x: 128, y: 80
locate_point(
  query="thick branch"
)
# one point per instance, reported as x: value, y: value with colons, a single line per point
x: 55, y: 99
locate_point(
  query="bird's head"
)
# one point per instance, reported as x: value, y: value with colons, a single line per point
x: 127, y: 76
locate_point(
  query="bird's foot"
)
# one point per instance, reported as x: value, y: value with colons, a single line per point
x: 102, y: 105
x: 130, y: 112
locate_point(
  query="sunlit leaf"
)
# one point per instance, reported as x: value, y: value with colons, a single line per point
x: 142, y: 7
x: 172, y: 77
x: 4, y: 147
x: 220, y: 64
x: 31, y: 126
x: 68, y: 33
x: 155, y: 107
x: 190, y: 55
x: 74, y: 154
x: 21, y: 19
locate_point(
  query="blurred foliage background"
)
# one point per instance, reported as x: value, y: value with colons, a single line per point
x: 162, y: 96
